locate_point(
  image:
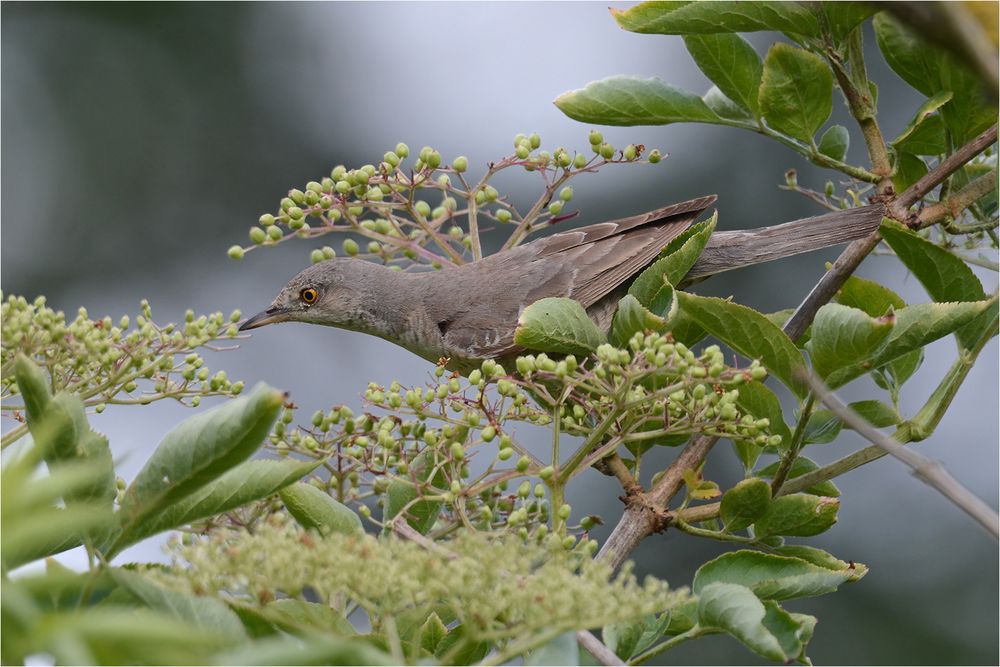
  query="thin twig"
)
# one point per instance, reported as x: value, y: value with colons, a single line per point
x: 927, y: 470
x: 958, y: 202
x: 596, y: 648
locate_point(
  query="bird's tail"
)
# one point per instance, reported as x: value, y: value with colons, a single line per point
x: 726, y: 251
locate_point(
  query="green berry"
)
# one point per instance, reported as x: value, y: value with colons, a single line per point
x: 257, y: 235
x: 235, y: 252
x: 402, y: 150
x: 295, y: 213
x: 522, y: 151
x: 266, y: 220
x: 535, y: 140
x: 274, y: 233
x: 580, y: 161
x: 316, y: 256
x: 351, y: 247
x: 566, y: 194
x: 555, y: 208
x: 596, y: 138
x: 655, y: 156
x: 630, y: 152
x: 433, y: 160
x: 460, y: 164
x: 503, y: 215
x: 607, y: 151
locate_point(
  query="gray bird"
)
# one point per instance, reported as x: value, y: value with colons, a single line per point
x: 469, y: 313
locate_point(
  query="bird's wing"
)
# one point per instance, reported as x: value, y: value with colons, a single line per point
x: 585, y: 264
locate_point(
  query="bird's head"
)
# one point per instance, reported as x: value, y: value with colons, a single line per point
x: 329, y: 293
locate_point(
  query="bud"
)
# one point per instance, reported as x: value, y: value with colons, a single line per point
x: 316, y: 256
x: 523, y: 463
x: 257, y: 235
x: 607, y: 151
x: 596, y: 138
x: 460, y: 164
x: 266, y: 220
x: 235, y: 252
x: 351, y: 247
x: 580, y: 161
x: 402, y: 150
x: 566, y: 193
x: 503, y: 215
x: 535, y: 140
x: 556, y: 207
x: 433, y: 159
x: 655, y: 156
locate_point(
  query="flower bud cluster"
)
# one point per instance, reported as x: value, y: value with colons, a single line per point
x: 426, y: 211
x: 502, y: 587
x: 102, y: 359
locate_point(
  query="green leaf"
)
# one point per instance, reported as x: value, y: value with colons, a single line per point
x: 632, y: 317
x: 563, y: 650
x: 779, y: 317
x: 799, y: 514
x: 557, y: 324
x: 822, y: 559
x: 730, y: 63
x: 682, y: 18
x: 842, y: 336
x: 916, y: 326
x: 932, y: 71
x: 717, y: 101
x: 835, y: 142
x: 843, y: 17
x: 629, y: 638
x: 925, y: 133
x: 311, y: 650
x: 432, y: 633
x: 292, y: 616
x: 744, y: 503
x: 757, y: 400
x: 793, y: 631
x: 908, y: 170
x: 943, y: 275
x: 796, y: 94
x: 201, y: 449
x: 205, y: 613
x: 770, y: 576
x: 822, y: 427
x: 420, y: 514
x: 471, y: 652
x: 50, y: 531
x: 876, y: 413
x: 750, y: 333
x: 737, y: 611
x: 630, y: 100
x: 313, y: 508
x: 243, y: 484
x: 653, y: 286
x: 800, y: 466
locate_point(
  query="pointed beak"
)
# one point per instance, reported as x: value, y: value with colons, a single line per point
x: 269, y: 316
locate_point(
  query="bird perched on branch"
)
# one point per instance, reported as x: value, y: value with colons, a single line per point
x: 469, y: 313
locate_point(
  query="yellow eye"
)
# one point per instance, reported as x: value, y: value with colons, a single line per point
x: 309, y: 295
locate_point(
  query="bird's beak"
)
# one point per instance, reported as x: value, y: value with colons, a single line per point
x: 269, y: 316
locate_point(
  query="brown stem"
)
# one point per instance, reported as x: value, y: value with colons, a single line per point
x: 958, y: 202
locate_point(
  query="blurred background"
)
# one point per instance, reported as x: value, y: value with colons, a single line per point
x: 139, y: 141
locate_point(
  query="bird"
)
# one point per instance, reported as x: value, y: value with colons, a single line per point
x: 461, y: 316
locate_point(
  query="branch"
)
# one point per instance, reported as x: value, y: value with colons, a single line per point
x: 936, y: 176
x: 596, y: 648
x: 927, y: 470
x: 953, y: 206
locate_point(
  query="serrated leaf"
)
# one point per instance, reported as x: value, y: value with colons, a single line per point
x: 842, y: 336
x: 796, y: 92
x: 908, y: 170
x: 629, y: 638
x: 749, y: 333
x: 931, y: 70
x: 651, y: 286
x: 562, y: 650
x: 798, y: 514
x: 313, y: 508
x: 800, y: 466
x: 730, y: 63
x: 876, y: 413
x: 770, y: 576
x: 557, y: 324
x: 916, y: 326
x: 206, y: 613
x: 793, y: 631
x: 202, y: 448
x: 943, y: 275
x: 682, y: 18
x: 737, y: 611
x: 744, y: 503
x: 835, y: 142
x: 243, y: 484
x: 631, y: 100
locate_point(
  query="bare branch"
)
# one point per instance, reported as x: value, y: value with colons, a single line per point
x: 596, y: 648
x: 927, y: 470
x: 953, y: 206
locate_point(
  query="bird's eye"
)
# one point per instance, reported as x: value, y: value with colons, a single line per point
x: 309, y: 295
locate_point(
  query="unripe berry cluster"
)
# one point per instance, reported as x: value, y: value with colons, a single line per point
x: 428, y: 212
x: 104, y: 361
